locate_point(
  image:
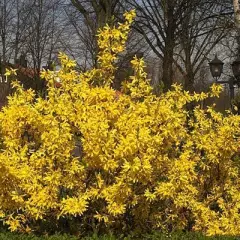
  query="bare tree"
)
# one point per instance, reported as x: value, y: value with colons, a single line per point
x: 158, y: 22
x: 178, y: 31
x: 87, y: 17
x: 204, y: 26
x: 6, y: 21
x: 44, y: 29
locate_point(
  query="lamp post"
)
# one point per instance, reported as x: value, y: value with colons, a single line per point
x: 216, y: 68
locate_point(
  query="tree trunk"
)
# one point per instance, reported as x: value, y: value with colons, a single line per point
x: 169, y: 48
x: 189, y: 80
x: 3, y: 29
x: 167, y: 68
x: 189, y: 77
x: 16, y: 47
x: 236, y: 13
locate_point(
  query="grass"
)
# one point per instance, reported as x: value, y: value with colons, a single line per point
x: 153, y: 236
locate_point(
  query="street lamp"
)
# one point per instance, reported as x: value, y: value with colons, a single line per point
x: 236, y: 70
x: 216, y: 68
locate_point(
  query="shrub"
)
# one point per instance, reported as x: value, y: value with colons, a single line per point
x: 145, y: 162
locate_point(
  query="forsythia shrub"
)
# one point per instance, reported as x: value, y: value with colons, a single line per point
x: 144, y: 162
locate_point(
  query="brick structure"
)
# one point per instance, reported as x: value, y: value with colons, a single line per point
x: 27, y: 76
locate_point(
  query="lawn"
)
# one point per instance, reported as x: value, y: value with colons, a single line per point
x: 153, y: 236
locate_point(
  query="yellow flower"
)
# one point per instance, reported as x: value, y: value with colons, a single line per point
x: 88, y: 151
